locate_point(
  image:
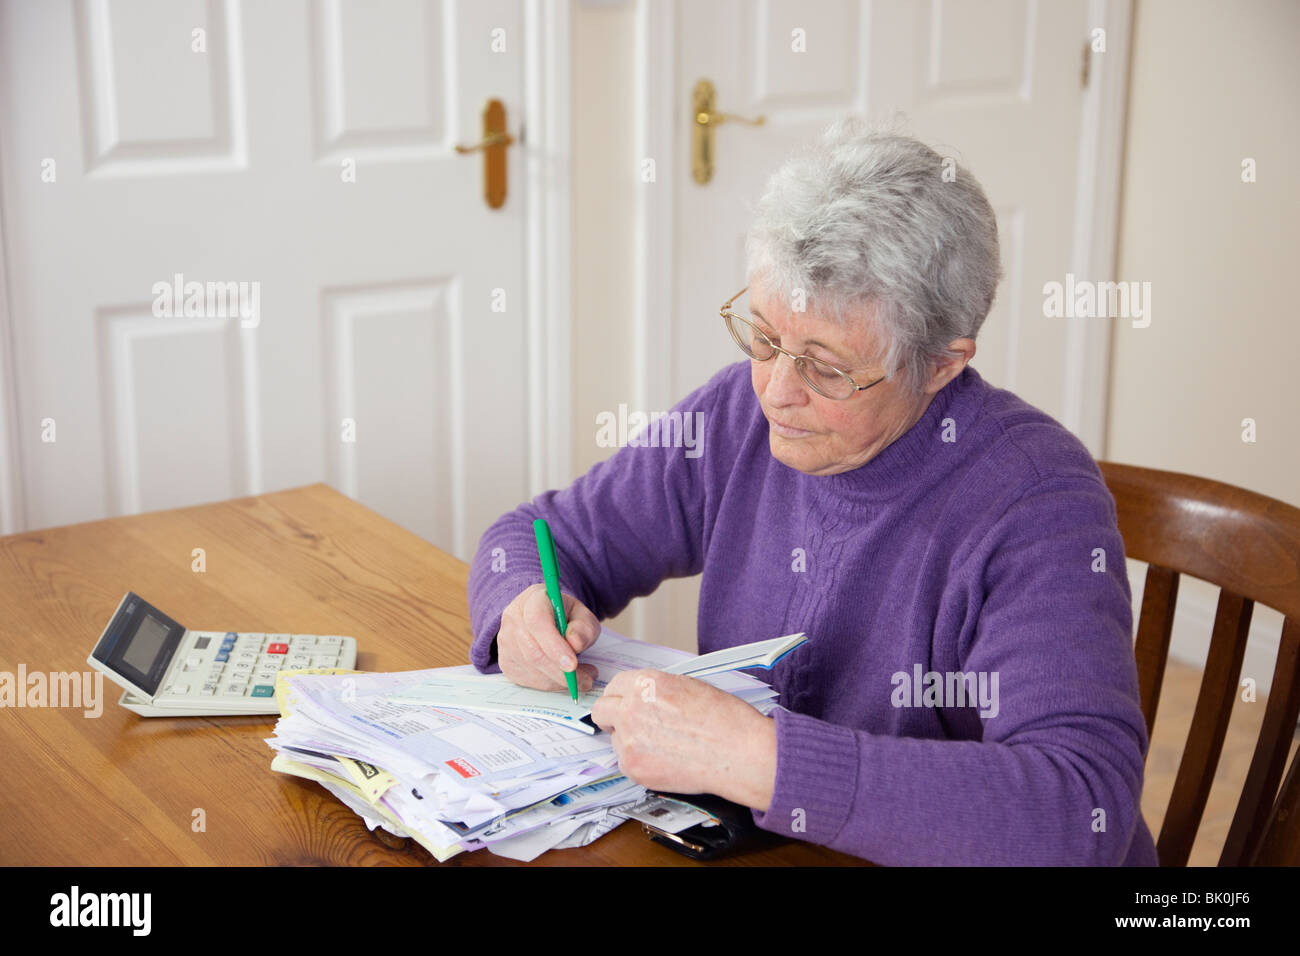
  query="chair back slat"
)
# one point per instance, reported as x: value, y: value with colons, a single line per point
x: 1280, y: 843
x: 1280, y: 716
x: 1248, y: 545
x: 1209, y: 727
x: 1155, y: 625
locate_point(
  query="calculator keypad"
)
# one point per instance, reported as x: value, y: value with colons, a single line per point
x: 235, y: 666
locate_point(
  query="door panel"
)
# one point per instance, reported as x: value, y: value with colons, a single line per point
x: 295, y: 161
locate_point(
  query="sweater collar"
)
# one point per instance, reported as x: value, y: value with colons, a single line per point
x: 913, y: 459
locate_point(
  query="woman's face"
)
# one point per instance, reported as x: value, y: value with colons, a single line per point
x: 811, y: 433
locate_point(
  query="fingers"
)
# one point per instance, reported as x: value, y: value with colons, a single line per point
x: 539, y: 622
x: 519, y: 655
x: 584, y: 628
x: 531, y: 667
x: 530, y: 650
x: 604, y: 713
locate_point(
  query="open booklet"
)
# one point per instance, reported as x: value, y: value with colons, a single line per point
x: 465, y: 687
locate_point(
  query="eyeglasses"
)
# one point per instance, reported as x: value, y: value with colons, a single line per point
x: 823, y: 378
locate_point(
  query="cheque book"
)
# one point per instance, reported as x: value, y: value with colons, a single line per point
x: 461, y: 761
x: 465, y: 687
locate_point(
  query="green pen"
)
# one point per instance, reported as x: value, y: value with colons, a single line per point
x: 551, y: 575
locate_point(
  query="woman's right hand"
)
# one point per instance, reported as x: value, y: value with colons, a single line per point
x: 531, y: 652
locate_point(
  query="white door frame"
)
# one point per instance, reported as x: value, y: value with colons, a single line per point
x: 653, y: 278
x: 12, y: 505
x: 1096, y: 235
x: 545, y: 144
x: 548, y: 165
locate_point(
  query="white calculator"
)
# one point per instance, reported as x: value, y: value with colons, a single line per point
x: 171, y: 671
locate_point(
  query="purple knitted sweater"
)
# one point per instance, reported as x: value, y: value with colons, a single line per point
x: 976, y: 556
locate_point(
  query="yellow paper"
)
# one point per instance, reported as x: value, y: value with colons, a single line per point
x: 283, y: 764
x: 282, y: 689
x: 370, y: 780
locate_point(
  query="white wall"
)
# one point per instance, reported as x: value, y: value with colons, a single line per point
x: 1212, y: 84
x: 604, y: 198
x: 603, y: 220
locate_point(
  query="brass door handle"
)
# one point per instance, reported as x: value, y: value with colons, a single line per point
x: 716, y: 119
x: 493, y: 145
x: 496, y: 139
x: 703, y: 98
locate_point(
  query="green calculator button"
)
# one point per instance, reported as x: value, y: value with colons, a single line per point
x: 263, y: 690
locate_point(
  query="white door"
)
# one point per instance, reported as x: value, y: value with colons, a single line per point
x: 996, y: 85
x: 301, y: 153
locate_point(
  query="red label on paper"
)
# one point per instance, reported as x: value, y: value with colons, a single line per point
x: 462, y: 767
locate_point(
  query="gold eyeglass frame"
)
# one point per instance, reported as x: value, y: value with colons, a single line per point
x: 800, y: 361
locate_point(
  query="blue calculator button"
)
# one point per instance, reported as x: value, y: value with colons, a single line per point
x: 263, y: 690
x: 223, y: 656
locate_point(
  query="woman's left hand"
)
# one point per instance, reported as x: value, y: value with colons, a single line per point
x: 683, y: 735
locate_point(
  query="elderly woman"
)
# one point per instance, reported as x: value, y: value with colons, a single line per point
x: 968, y: 692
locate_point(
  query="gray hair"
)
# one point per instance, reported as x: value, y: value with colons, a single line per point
x: 870, y: 216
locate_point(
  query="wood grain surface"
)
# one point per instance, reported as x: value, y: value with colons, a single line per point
x: 121, y: 790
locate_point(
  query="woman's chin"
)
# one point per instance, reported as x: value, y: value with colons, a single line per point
x: 790, y: 451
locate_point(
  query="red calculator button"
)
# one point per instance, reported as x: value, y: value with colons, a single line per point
x: 278, y: 649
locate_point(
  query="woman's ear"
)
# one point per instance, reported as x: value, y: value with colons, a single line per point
x: 947, y: 369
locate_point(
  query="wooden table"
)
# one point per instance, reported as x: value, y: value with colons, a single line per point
x: 123, y: 790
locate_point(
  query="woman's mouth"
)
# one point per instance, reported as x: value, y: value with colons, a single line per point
x: 785, y: 431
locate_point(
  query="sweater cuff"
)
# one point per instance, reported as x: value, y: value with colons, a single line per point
x: 491, y: 599
x: 816, y: 779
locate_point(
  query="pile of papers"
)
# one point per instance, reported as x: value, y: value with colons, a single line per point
x: 459, y: 760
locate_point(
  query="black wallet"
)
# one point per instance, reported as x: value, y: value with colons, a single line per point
x: 735, y: 829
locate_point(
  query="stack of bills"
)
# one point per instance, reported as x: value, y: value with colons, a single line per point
x: 460, y: 761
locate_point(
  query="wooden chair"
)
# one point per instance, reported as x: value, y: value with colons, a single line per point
x: 1249, y: 546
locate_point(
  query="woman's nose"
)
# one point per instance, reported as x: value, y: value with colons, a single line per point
x: 784, y: 385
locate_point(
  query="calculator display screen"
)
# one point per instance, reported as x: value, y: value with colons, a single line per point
x: 138, y: 644
x: 142, y: 650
